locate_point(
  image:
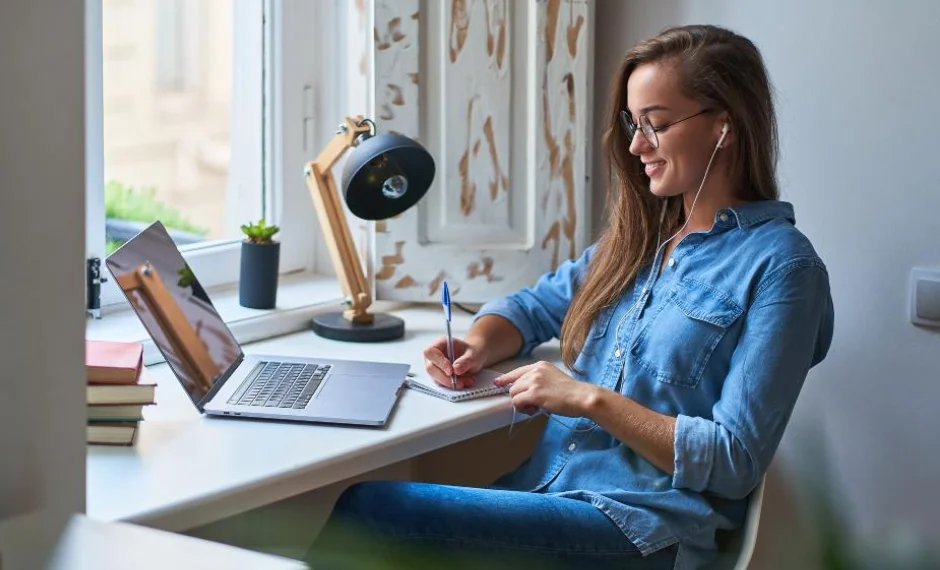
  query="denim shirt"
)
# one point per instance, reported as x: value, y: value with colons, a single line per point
x: 722, y: 340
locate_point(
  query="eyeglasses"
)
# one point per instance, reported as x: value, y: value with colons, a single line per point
x: 647, y: 128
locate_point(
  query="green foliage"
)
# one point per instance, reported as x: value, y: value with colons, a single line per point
x: 186, y: 277
x: 260, y: 232
x: 126, y: 203
x: 141, y: 205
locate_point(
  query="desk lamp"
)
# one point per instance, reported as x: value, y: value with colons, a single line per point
x: 384, y: 175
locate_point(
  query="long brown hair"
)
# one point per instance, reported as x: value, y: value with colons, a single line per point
x: 725, y: 72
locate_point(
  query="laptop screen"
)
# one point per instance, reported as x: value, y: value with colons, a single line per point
x: 175, y: 309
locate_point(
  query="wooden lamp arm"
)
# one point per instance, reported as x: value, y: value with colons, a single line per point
x: 192, y: 352
x: 339, y: 241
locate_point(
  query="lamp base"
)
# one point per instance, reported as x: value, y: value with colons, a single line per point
x: 382, y: 328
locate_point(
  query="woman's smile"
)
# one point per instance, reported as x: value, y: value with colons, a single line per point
x: 654, y: 168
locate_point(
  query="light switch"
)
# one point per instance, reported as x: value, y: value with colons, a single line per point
x: 925, y: 297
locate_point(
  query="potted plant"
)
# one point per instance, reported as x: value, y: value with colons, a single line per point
x: 260, y: 259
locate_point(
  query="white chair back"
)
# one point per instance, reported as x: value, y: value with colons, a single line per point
x: 735, y: 552
x: 751, y: 524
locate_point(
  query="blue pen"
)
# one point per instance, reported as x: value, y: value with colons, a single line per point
x: 445, y: 301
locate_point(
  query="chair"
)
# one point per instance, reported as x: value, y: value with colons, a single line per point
x: 736, y: 548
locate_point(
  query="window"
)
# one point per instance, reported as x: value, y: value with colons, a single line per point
x: 177, y: 41
x: 201, y: 115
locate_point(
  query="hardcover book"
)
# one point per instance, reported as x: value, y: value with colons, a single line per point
x: 113, y: 362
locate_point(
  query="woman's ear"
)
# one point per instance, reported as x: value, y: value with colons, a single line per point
x: 724, y: 133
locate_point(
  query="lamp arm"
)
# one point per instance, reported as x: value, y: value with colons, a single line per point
x: 339, y: 241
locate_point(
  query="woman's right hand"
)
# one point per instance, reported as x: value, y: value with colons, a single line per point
x: 468, y: 360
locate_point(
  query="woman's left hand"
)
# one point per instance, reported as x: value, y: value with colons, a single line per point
x: 543, y: 385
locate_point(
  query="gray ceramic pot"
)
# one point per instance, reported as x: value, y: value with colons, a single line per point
x: 257, y: 288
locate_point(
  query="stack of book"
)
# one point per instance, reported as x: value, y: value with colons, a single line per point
x: 118, y: 390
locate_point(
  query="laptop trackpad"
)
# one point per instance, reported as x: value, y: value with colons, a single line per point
x: 357, y: 396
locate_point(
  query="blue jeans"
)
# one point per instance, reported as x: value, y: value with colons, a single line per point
x: 391, y: 524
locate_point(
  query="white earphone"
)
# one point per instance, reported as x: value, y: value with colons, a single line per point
x: 724, y: 131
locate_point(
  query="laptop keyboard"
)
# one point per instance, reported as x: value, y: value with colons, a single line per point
x: 284, y: 385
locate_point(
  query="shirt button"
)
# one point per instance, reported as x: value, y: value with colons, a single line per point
x: 572, y: 447
x: 617, y: 352
x: 672, y: 261
x: 723, y: 217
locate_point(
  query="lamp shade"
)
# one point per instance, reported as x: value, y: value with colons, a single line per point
x: 386, y: 174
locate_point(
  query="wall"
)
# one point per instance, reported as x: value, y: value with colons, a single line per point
x: 42, y: 173
x: 856, y: 84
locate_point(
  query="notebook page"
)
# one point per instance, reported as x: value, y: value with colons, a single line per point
x: 483, y: 387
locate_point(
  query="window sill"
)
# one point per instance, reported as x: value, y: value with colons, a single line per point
x: 300, y: 296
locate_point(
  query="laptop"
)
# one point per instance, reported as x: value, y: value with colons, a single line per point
x: 210, y: 364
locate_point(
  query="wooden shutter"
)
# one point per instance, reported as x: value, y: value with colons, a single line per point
x: 500, y: 93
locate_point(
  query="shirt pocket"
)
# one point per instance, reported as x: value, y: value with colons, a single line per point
x: 677, y: 343
x: 599, y: 327
x: 597, y: 338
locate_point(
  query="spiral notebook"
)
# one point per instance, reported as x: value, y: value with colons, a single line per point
x: 483, y: 387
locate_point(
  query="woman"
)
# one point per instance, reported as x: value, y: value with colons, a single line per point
x: 687, y: 331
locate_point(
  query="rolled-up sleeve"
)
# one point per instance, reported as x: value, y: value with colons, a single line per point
x: 538, y: 311
x: 787, y: 331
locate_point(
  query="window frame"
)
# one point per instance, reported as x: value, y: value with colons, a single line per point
x: 297, y: 88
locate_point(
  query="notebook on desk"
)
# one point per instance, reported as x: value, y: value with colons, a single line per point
x: 483, y: 387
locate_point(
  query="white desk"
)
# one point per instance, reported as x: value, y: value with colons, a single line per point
x: 188, y: 470
x: 94, y: 545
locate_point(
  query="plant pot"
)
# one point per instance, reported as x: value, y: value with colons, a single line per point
x: 257, y: 286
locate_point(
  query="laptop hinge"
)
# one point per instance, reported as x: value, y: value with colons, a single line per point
x: 219, y: 383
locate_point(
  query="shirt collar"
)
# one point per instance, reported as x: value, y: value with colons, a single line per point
x: 750, y: 214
